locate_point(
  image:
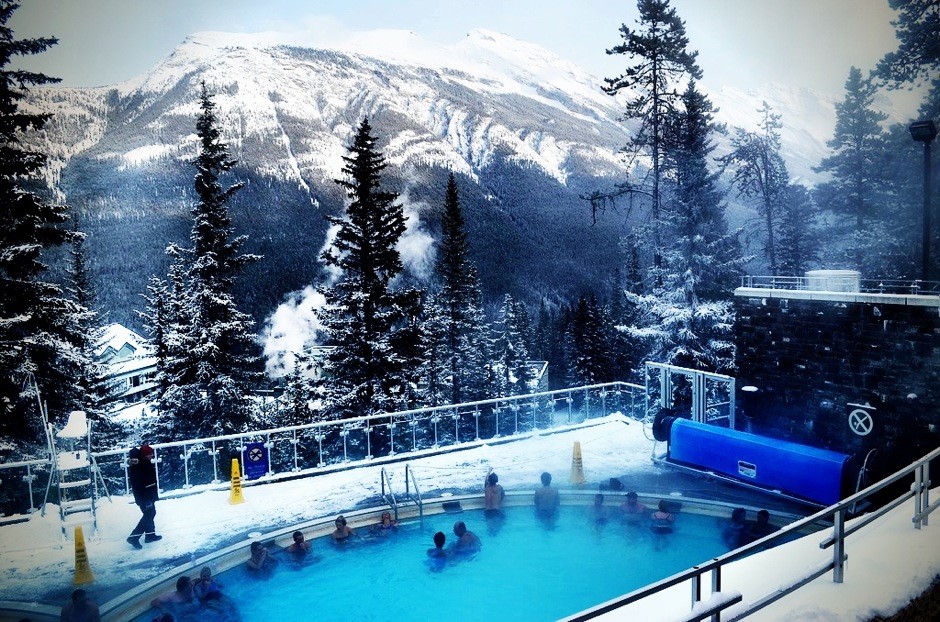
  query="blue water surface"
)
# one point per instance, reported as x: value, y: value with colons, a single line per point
x: 526, y: 570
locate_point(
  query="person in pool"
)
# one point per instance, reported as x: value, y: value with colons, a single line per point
x: 386, y: 524
x: 735, y: 532
x: 260, y: 561
x: 436, y: 555
x: 299, y: 547
x: 493, y: 495
x: 662, y: 519
x: 632, y: 510
x: 342, y: 532
x: 467, y: 541
x: 599, y: 510
x: 546, y: 498
x: 206, y: 587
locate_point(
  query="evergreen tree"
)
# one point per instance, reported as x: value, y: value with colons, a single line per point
x: 704, y: 256
x: 212, y: 351
x: 686, y: 318
x: 588, y: 345
x: 460, y: 302
x: 84, y: 330
x: 760, y: 172
x: 298, y: 393
x: 799, y: 240
x: 33, y: 312
x: 917, y: 58
x: 363, y: 371
x: 662, y: 60
x: 858, y: 186
x: 509, y: 373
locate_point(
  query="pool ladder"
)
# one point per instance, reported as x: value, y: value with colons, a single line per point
x: 410, y: 483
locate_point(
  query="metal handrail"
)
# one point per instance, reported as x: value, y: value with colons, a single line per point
x: 836, y: 513
x: 416, y: 498
x: 390, y: 497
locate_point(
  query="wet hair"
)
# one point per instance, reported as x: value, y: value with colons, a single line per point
x: 440, y: 539
x: 763, y: 516
x: 341, y: 520
x: 546, y: 478
x: 663, y: 506
x: 631, y: 495
x: 386, y: 513
x: 205, y: 572
x: 294, y: 535
x: 738, y: 515
x: 79, y: 595
x: 182, y: 583
x: 491, y: 479
x: 255, y: 546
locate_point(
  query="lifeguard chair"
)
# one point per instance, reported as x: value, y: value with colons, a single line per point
x: 74, y: 472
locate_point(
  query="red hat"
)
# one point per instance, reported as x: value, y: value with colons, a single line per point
x: 146, y: 450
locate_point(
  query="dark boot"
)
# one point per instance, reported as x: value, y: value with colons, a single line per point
x: 134, y: 541
x: 152, y: 537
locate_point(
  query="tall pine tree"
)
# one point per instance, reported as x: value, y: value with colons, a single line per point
x: 760, y: 173
x: 364, y: 373
x: 858, y: 189
x: 33, y: 312
x: 659, y: 49
x: 212, y: 351
x: 461, y: 308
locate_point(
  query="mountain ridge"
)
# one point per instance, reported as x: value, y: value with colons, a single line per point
x: 526, y: 132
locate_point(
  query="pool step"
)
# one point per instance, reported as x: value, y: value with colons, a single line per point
x: 452, y: 507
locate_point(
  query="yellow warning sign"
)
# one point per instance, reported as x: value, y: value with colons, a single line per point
x: 577, y: 467
x: 236, y: 494
x: 82, y: 567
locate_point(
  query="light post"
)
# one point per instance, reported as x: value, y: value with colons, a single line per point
x: 925, y: 132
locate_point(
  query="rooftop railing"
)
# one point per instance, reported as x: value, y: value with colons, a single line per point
x: 906, y: 287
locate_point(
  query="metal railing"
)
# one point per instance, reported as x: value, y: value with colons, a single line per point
x: 836, y: 513
x: 909, y: 287
x: 330, y: 445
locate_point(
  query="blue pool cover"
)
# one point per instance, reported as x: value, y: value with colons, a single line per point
x: 807, y: 472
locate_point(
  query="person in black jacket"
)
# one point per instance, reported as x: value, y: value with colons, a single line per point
x: 143, y: 478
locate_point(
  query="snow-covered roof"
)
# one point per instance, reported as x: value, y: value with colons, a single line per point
x: 115, y: 337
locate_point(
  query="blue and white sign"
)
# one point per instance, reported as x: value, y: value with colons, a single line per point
x: 255, y: 459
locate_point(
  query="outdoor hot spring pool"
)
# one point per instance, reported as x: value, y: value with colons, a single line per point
x: 524, y: 571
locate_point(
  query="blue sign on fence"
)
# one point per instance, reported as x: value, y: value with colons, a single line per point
x: 255, y: 459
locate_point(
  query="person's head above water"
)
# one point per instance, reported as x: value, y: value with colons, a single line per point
x: 460, y: 528
x: 546, y: 479
x: 439, y: 539
x: 491, y: 479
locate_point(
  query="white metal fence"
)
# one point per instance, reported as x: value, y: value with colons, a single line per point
x: 330, y: 445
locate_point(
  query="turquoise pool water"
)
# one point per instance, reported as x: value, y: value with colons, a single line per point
x: 524, y: 572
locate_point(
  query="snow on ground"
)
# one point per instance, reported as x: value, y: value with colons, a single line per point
x: 888, y: 564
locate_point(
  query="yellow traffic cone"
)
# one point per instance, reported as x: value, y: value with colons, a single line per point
x: 82, y: 567
x: 577, y: 467
x: 236, y: 494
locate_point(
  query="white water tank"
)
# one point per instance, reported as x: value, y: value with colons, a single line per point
x: 833, y: 280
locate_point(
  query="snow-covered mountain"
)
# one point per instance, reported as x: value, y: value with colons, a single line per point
x: 525, y: 131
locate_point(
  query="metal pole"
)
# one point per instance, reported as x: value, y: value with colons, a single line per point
x: 925, y: 268
x: 838, y: 549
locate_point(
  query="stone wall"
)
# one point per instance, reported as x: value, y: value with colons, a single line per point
x: 818, y: 359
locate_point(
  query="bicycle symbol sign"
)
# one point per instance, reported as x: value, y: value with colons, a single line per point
x: 255, y: 454
x: 861, y: 422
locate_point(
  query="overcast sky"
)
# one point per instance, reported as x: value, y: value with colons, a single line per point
x: 741, y: 43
